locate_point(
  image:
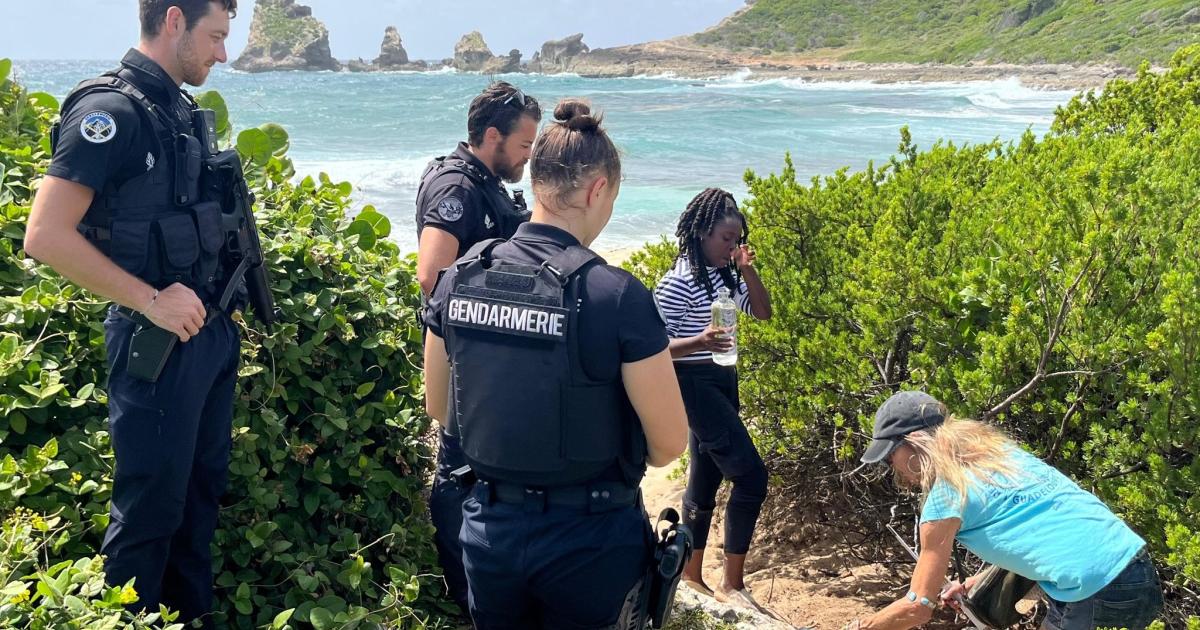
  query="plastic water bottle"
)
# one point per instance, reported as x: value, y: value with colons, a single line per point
x: 725, y: 315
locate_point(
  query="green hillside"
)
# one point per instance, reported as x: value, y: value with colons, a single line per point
x: 955, y: 31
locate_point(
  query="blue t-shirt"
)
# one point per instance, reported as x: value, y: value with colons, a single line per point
x: 1040, y: 525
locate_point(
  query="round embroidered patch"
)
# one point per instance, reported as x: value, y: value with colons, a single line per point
x: 450, y: 209
x: 98, y: 127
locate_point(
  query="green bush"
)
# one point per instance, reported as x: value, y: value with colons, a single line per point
x: 1051, y: 286
x: 324, y: 520
x: 70, y: 594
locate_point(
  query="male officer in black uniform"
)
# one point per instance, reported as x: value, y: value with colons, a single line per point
x: 463, y: 199
x: 463, y: 194
x: 118, y: 214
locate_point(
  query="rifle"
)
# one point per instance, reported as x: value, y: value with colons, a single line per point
x: 225, y: 183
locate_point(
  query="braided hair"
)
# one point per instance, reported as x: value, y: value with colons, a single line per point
x: 703, y: 213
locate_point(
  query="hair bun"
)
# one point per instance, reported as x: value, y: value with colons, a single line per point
x: 576, y: 115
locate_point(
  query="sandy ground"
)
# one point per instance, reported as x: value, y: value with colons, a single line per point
x: 808, y: 586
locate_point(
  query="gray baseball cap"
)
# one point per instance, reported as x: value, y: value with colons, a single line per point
x: 903, y: 413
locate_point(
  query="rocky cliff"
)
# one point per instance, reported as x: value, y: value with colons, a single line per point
x: 285, y: 36
x: 503, y: 65
x: 557, y: 55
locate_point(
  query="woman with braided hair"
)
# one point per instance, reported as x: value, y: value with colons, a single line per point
x: 713, y: 253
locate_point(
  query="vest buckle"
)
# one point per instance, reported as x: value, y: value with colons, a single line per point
x: 558, y: 275
x: 535, y: 500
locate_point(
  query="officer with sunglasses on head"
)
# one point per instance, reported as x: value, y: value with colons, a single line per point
x: 462, y: 201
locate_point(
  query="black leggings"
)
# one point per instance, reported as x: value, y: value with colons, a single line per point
x: 720, y: 448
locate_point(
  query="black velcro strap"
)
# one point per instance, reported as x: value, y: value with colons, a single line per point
x: 481, y: 250
x: 569, y: 261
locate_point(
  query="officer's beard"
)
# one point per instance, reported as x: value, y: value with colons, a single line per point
x: 506, y: 169
x: 193, y: 71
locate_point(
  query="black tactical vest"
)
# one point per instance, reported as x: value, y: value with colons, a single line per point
x: 521, y: 402
x: 506, y: 213
x: 153, y: 225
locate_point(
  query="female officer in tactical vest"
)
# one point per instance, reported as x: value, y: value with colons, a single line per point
x: 553, y: 369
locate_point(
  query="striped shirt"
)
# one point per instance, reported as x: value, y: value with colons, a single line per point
x: 686, y: 306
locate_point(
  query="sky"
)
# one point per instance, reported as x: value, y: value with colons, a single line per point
x: 104, y: 29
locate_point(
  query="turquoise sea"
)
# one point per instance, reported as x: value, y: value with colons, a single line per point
x: 678, y: 136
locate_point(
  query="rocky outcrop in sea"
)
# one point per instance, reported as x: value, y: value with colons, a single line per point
x: 392, y: 56
x: 557, y: 55
x: 285, y: 36
x: 471, y: 53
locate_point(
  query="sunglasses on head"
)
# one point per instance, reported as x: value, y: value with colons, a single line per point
x: 518, y: 96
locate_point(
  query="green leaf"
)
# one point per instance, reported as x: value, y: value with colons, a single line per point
x: 254, y: 145
x: 214, y: 101
x: 365, y: 233
x: 364, y: 389
x: 5, y: 69
x: 18, y: 422
x: 242, y: 600
x: 321, y: 619
x: 44, y: 100
x: 282, y: 619
x: 381, y: 224
x: 278, y: 137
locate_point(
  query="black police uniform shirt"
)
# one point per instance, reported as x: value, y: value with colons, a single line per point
x: 619, y: 322
x: 106, y: 138
x: 458, y: 206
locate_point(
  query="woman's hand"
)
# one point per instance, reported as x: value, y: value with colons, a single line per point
x: 744, y: 257
x: 715, y: 339
x: 957, y: 590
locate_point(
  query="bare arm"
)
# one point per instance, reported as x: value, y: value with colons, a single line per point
x: 437, y: 378
x: 712, y: 340
x: 51, y: 238
x: 937, y: 543
x: 437, y: 250
x: 760, y: 300
x: 654, y: 391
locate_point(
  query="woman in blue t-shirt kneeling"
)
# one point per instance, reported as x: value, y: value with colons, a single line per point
x: 1014, y: 511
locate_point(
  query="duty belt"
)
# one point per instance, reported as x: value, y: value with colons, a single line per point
x: 210, y: 314
x: 595, y: 497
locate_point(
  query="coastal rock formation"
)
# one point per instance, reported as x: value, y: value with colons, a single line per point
x: 557, y: 55
x: 503, y: 65
x: 285, y: 36
x: 1018, y: 16
x: 471, y: 53
x: 391, y: 52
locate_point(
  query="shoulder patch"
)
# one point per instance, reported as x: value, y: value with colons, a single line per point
x: 450, y: 209
x: 98, y: 127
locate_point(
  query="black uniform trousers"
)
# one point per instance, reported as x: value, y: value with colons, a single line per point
x: 172, y: 443
x: 552, y: 567
x: 446, y: 511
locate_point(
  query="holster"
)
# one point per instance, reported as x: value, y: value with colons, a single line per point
x: 671, y: 554
x: 149, y: 347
